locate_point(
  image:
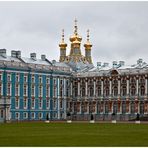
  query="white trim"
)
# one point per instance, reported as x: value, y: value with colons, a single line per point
x: 18, y: 115
x: 26, y: 115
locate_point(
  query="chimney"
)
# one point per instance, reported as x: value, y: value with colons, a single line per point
x: 18, y: 54
x: 3, y: 53
x: 13, y: 53
x: 139, y: 61
x: 106, y: 64
x: 33, y: 56
x: 98, y: 64
x: 114, y: 63
x: 121, y: 63
x: 43, y: 57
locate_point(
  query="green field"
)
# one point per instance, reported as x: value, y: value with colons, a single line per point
x: 74, y: 134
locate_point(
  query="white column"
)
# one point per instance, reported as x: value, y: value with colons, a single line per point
x: 71, y: 89
x: 80, y: 107
x: 78, y: 87
x: 102, y: 87
x: 58, y: 98
x: 86, y: 87
x: 137, y: 86
x: 146, y: 85
x: 94, y: 87
x: 65, y: 102
x: 118, y: 86
x: 110, y: 87
x: 130, y: 107
x: 127, y: 82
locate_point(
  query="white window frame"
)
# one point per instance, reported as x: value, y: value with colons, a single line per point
x: 33, y: 92
x: 40, y: 103
x: 17, y: 115
x: 32, y: 79
x: 25, y: 78
x: 33, y: 104
x: 25, y: 93
x: 40, y: 115
x: 33, y: 115
x: 17, y: 94
x: 8, y: 75
x: 47, y: 103
x: 25, y: 115
x: 40, y: 79
x: 40, y: 90
x: 1, y: 89
x: 47, y: 80
x: 18, y: 103
x: 1, y: 113
x: 17, y: 76
x: 7, y: 89
x: 25, y: 107
x: 1, y: 76
x: 47, y: 91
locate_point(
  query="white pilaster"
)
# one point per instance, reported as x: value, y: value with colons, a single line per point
x: 71, y: 89
x: 137, y: 86
x: 86, y: 87
x: 127, y: 82
x: 65, y: 102
x: 118, y: 87
x: 110, y: 87
x: 101, y: 87
x: 78, y: 87
x: 94, y: 87
x: 146, y: 85
x: 58, y: 98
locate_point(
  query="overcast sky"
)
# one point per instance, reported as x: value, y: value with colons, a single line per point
x: 118, y: 30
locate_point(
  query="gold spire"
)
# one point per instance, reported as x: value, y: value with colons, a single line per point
x: 63, y: 45
x: 75, y: 36
x: 88, y: 45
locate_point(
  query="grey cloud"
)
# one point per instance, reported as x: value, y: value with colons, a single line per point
x: 118, y: 30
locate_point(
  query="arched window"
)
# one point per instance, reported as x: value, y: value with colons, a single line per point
x: 91, y: 91
x: 107, y: 91
x: 124, y: 91
x: 99, y: 91
x: 142, y: 90
x: 115, y: 91
x: 83, y: 92
x: 133, y: 90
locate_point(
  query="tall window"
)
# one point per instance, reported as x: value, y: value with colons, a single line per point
x: 40, y: 90
x: 47, y: 80
x: 33, y: 115
x: 115, y: 91
x: 25, y: 78
x: 61, y: 104
x: 54, y: 103
x: 91, y: 91
x: 17, y: 115
x: 25, y: 103
x: 47, y: 91
x: 142, y: 90
x: 8, y: 89
x: 107, y: 91
x: 99, y: 91
x: 54, y: 92
x: 83, y: 92
x: 17, y: 77
x: 32, y: 79
x: 40, y: 103
x: 0, y: 77
x: 133, y: 90
x: 47, y: 103
x: 8, y: 77
x: 61, y: 92
x: 32, y: 90
x: 124, y: 91
x: 17, y: 90
x: 40, y: 79
x: 25, y: 115
x: 16, y: 103
x: 33, y: 103
x: 40, y: 115
x: 25, y: 90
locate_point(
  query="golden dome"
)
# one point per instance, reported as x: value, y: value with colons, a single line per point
x: 75, y: 36
x: 88, y: 45
x: 63, y: 45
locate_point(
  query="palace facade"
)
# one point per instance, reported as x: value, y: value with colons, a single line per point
x: 37, y: 89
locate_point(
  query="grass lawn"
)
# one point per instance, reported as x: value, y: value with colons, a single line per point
x: 74, y: 134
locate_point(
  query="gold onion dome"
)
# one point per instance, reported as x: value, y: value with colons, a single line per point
x: 88, y: 45
x: 75, y: 36
x: 63, y: 44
